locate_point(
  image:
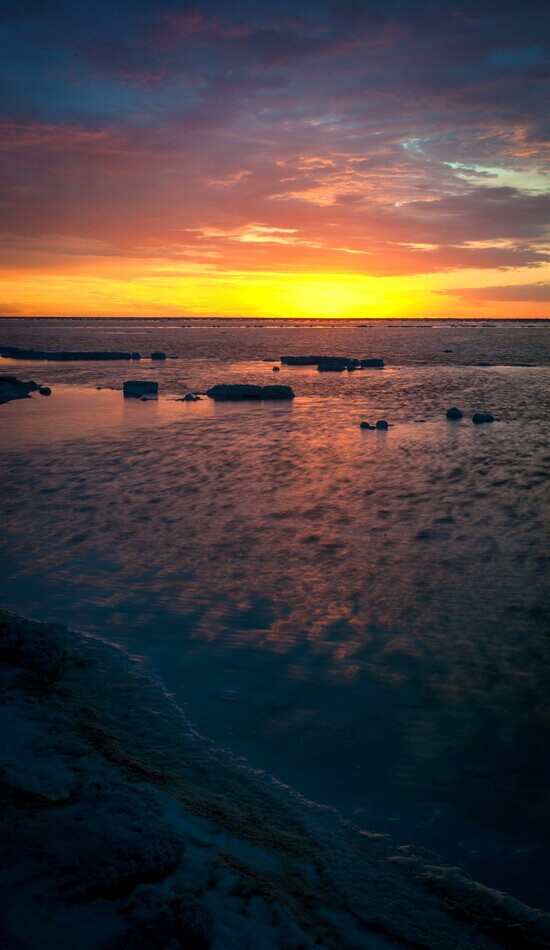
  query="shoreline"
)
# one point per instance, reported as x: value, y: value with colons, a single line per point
x: 101, y: 760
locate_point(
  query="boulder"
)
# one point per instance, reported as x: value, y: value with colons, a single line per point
x: 454, y: 413
x: 45, y: 391
x: 382, y: 424
x: 366, y: 425
x: 479, y: 417
x: 374, y: 363
x: 277, y: 392
x: 300, y: 360
x: 158, y: 355
x: 190, y: 397
x: 336, y: 364
x: 224, y: 392
x: 276, y: 369
x: 62, y: 356
x: 135, y: 356
x: 136, y: 388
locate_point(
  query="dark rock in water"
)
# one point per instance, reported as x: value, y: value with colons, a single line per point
x: 482, y: 417
x: 447, y: 351
x: 454, y: 413
x: 276, y: 369
x: 382, y: 424
x: 483, y: 363
x: 366, y: 425
x: 136, y: 388
x: 158, y: 355
x: 225, y: 391
x: 135, y: 356
x: 62, y: 356
x: 190, y: 397
x: 277, y: 392
x: 30, y: 645
x: 301, y: 360
x: 45, y: 391
x: 13, y: 388
x: 17, y: 353
x: 372, y: 363
x: 336, y: 364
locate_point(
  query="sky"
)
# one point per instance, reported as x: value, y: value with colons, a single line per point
x: 274, y: 159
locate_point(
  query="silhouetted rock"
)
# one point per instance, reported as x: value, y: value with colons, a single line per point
x: 454, y: 413
x: 366, y: 425
x: 135, y: 356
x: 13, y: 388
x: 62, y: 356
x: 373, y: 363
x: 190, y: 397
x: 277, y: 392
x: 276, y: 369
x: 224, y: 392
x: 45, y: 391
x: 336, y: 364
x: 17, y: 353
x: 482, y: 417
x: 136, y: 388
x: 158, y: 355
x: 300, y: 360
x: 382, y: 424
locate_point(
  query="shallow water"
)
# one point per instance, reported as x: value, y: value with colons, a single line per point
x: 363, y: 614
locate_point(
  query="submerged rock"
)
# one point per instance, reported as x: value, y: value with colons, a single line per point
x: 382, y: 424
x: 13, y: 388
x: 136, y: 388
x: 479, y: 417
x: 224, y: 392
x: 366, y: 425
x: 158, y: 355
x: 190, y: 397
x: 276, y: 369
x: 454, y: 413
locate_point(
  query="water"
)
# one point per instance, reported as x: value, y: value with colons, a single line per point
x: 362, y: 614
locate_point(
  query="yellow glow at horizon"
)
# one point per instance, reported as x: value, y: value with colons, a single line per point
x: 230, y: 293
x: 166, y: 288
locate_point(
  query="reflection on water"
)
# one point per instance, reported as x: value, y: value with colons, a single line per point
x: 361, y: 613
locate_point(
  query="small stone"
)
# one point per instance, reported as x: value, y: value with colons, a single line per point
x: 382, y: 424
x: 45, y: 391
x: 158, y: 355
x: 366, y: 425
x: 454, y: 413
x: 276, y: 369
x: 479, y: 417
x: 136, y: 388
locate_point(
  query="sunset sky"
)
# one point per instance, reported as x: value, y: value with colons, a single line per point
x: 281, y: 159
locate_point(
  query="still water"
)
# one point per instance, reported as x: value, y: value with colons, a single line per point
x: 362, y: 614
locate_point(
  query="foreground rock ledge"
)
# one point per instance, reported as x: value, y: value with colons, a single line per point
x: 225, y: 392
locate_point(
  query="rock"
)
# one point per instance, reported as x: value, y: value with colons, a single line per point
x: 366, y: 425
x: 190, y: 397
x: 17, y: 353
x: 276, y: 369
x: 136, y: 388
x: 336, y: 364
x: 158, y: 355
x: 454, y: 413
x: 70, y: 355
x: 224, y: 392
x: 372, y: 363
x: 135, y: 356
x: 277, y: 392
x: 482, y: 417
x: 301, y: 360
x: 45, y: 391
x: 382, y: 424
x: 13, y: 388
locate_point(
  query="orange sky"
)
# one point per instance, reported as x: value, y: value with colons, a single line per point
x: 339, y: 162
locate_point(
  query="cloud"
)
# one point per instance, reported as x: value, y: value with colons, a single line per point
x: 525, y: 293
